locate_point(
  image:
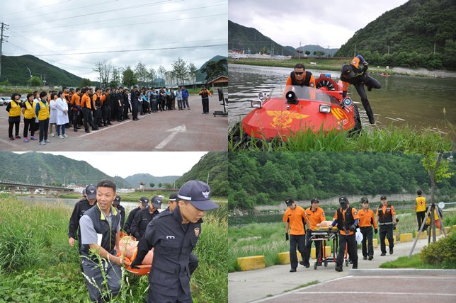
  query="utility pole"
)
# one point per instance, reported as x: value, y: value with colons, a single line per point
x: 4, y: 26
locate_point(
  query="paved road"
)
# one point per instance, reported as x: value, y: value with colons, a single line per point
x: 249, y: 286
x: 176, y: 130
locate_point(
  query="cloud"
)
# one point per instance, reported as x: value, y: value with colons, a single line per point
x: 160, y: 31
x: 329, y: 23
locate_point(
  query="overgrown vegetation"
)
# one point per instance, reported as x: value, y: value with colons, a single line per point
x: 38, y: 265
x: 441, y: 253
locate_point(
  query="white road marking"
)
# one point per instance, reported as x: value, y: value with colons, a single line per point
x: 174, y: 131
x: 100, y: 130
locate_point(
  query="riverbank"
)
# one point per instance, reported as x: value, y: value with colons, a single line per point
x: 334, y: 65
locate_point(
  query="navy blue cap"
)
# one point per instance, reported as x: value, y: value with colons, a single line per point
x: 289, y: 201
x: 116, y: 200
x: 144, y: 201
x: 157, y: 201
x: 91, y: 192
x: 198, y: 194
x: 173, y: 197
x: 343, y: 200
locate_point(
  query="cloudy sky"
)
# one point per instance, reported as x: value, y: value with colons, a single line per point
x: 291, y: 22
x: 125, y: 164
x: 76, y: 34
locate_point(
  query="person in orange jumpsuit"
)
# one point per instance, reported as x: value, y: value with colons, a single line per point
x: 366, y: 221
x: 355, y: 74
x: 295, y: 219
x: 315, y: 215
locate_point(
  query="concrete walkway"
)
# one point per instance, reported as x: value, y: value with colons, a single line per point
x: 250, y: 286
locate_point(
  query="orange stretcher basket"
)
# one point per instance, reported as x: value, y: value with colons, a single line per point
x: 143, y: 269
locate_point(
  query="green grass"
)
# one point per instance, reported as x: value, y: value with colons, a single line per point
x: 38, y: 265
x: 389, y: 139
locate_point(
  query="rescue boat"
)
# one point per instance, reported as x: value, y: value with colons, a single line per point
x: 283, y: 114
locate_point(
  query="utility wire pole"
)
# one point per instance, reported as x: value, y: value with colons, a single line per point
x: 3, y: 27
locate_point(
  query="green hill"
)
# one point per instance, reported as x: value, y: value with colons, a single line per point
x: 40, y: 168
x: 317, y: 48
x: 410, y: 34
x: 200, y: 75
x: 213, y: 165
x: 14, y: 69
x: 251, y: 41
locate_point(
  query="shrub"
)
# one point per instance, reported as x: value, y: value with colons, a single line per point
x: 441, y: 253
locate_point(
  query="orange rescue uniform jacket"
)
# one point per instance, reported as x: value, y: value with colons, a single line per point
x: 354, y: 215
x: 296, y: 218
x: 85, y: 102
x: 367, y: 218
x: 315, y: 217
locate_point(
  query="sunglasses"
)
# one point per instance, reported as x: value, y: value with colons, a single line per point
x: 299, y: 73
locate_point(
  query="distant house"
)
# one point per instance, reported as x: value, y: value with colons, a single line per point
x: 219, y: 81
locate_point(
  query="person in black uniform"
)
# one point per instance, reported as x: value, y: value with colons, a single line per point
x: 134, y: 103
x: 142, y: 204
x: 121, y: 210
x: 106, y: 107
x: 143, y: 217
x: 126, y: 104
x: 80, y: 208
x: 174, y: 235
x: 193, y: 259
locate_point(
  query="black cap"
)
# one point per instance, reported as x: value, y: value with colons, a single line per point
x: 144, y: 201
x: 347, y: 71
x: 173, y: 197
x: 343, y: 200
x: 157, y: 201
x: 314, y: 201
x: 198, y: 194
x: 364, y: 200
x: 91, y: 192
x: 116, y: 200
x: 383, y: 198
x: 289, y: 201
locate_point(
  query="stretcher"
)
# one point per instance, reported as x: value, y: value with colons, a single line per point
x: 321, y: 236
x: 128, y: 250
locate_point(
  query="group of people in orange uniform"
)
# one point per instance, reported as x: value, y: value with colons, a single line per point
x: 347, y: 219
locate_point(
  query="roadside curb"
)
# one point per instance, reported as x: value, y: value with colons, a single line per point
x: 402, y: 272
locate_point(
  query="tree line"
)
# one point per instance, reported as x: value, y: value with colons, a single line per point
x: 261, y: 178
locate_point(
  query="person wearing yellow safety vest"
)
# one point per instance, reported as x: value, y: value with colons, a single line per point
x: 28, y: 109
x: 42, y: 112
x: 420, y: 208
x: 14, y: 116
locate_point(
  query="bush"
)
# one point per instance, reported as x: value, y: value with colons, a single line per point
x: 441, y: 253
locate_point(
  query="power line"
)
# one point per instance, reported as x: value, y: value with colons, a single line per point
x: 131, y: 24
x: 102, y: 12
x: 135, y: 50
x: 34, y: 8
x: 129, y: 17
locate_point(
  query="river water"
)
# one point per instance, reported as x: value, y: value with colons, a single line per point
x: 418, y: 102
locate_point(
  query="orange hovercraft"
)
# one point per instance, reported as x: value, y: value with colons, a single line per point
x: 281, y: 115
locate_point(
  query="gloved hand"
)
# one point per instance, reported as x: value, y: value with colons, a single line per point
x: 376, y: 231
x: 286, y: 237
x: 397, y: 220
x: 139, y: 258
x: 394, y: 228
x: 353, y: 227
x: 365, y: 63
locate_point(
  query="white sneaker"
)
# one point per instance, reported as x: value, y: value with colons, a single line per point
x: 61, y: 137
x: 42, y: 143
x: 52, y: 134
x: 65, y: 135
x: 47, y: 141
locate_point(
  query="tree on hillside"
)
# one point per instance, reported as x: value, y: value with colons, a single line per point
x: 115, y: 77
x: 141, y: 73
x: 159, y: 185
x: 85, y: 82
x: 104, y: 70
x: 180, y: 70
x: 192, y: 72
x: 307, y: 52
x: 151, y: 184
x: 214, y: 69
x: 128, y: 77
x: 151, y: 76
x: 162, y: 72
x: 35, y: 81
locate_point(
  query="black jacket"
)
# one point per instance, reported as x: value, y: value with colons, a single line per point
x: 131, y: 216
x: 142, y: 218
x: 79, y: 209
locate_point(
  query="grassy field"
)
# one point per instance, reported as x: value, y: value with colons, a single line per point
x: 38, y: 265
x: 389, y: 139
x: 268, y: 239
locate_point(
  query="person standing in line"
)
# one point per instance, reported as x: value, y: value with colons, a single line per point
x: 205, y: 94
x: 295, y: 219
x: 42, y: 112
x: 28, y: 109
x: 52, y: 113
x: 61, y: 107
x: 366, y: 221
x: 185, y: 96
x: 14, y: 115
x: 420, y: 208
x: 144, y: 216
x: 143, y: 201
x: 347, y: 220
x: 76, y: 108
x: 386, y: 217
x: 179, y: 98
x: 121, y: 210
